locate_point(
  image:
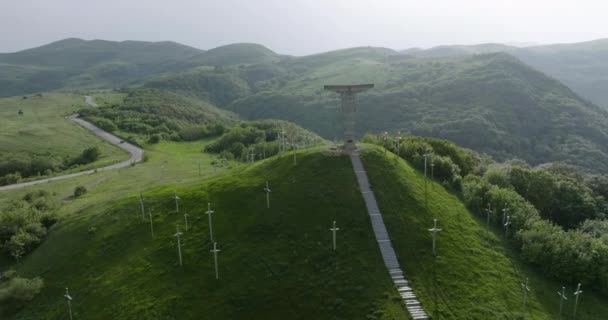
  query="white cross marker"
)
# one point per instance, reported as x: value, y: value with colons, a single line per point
x: 562, y: 297
x: 507, y: 224
x: 434, y: 232
x: 215, y: 251
x: 151, y: 225
x: 333, y: 231
x: 141, y: 203
x: 69, y: 300
x: 525, y: 289
x: 176, y: 201
x: 489, y: 212
x: 209, y: 213
x: 179, y: 244
x: 267, y: 189
x: 577, y: 293
x: 186, y: 220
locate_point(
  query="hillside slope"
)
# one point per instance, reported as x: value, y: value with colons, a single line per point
x: 475, y: 275
x: 275, y: 263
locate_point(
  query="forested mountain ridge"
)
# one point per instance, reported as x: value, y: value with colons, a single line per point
x: 581, y: 66
x: 491, y: 102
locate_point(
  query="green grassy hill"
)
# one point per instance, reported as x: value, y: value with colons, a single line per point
x: 476, y: 275
x: 43, y: 132
x: 275, y: 263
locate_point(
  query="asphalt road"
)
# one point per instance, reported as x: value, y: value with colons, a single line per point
x: 137, y: 154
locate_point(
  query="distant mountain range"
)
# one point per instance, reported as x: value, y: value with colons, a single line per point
x: 581, y: 66
x: 502, y: 100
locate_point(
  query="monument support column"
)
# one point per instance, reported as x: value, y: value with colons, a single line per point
x: 348, y: 107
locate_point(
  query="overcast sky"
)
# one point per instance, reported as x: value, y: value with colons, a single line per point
x: 301, y: 27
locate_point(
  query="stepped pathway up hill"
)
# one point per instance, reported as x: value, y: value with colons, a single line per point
x: 384, y: 242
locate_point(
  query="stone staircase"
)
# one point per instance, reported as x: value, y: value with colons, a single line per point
x: 384, y: 242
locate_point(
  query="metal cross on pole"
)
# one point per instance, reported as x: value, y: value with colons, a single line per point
x: 141, y: 203
x: 209, y: 213
x: 268, y: 191
x: 489, y: 213
x: 215, y: 251
x: 334, y: 230
x: 179, y: 243
x: 562, y: 297
x: 176, y: 198
x: 151, y: 225
x: 525, y: 289
x: 69, y: 300
x: 507, y: 224
x: 434, y: 232
x: 186, y: 220
x: 577, y: 293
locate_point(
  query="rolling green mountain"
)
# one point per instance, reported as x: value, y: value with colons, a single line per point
x: 75, y: 63
x: 581, y: 66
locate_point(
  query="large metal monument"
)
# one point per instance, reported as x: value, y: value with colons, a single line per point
x: 348, y: 107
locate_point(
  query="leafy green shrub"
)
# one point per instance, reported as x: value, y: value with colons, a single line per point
x: 15, y: 291
x: 79, y: 191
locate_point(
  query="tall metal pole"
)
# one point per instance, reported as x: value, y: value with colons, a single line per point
x: 334, y: 230
x: 577, y: 293
x: 562, y: 297
x: 69, y: 300
x: 209, y: 213
x: 179, y: 243
x: 215, y: 251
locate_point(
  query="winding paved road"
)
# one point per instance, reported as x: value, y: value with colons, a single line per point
x: 137, y: 154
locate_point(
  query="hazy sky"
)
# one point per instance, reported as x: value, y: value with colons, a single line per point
x: 303, y: 26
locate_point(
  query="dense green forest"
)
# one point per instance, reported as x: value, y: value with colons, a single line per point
x: 556, y: 214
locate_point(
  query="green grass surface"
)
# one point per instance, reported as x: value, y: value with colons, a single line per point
x: 275, y: 263
x: 43, y: 130
x: 476, y: 275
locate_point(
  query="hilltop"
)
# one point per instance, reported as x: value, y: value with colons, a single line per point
x: 277, y: 262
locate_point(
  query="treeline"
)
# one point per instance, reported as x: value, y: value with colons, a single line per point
x: 151, y: 115
x: 15, y: 166
x: 259, y: 139
x: 556, y: 213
